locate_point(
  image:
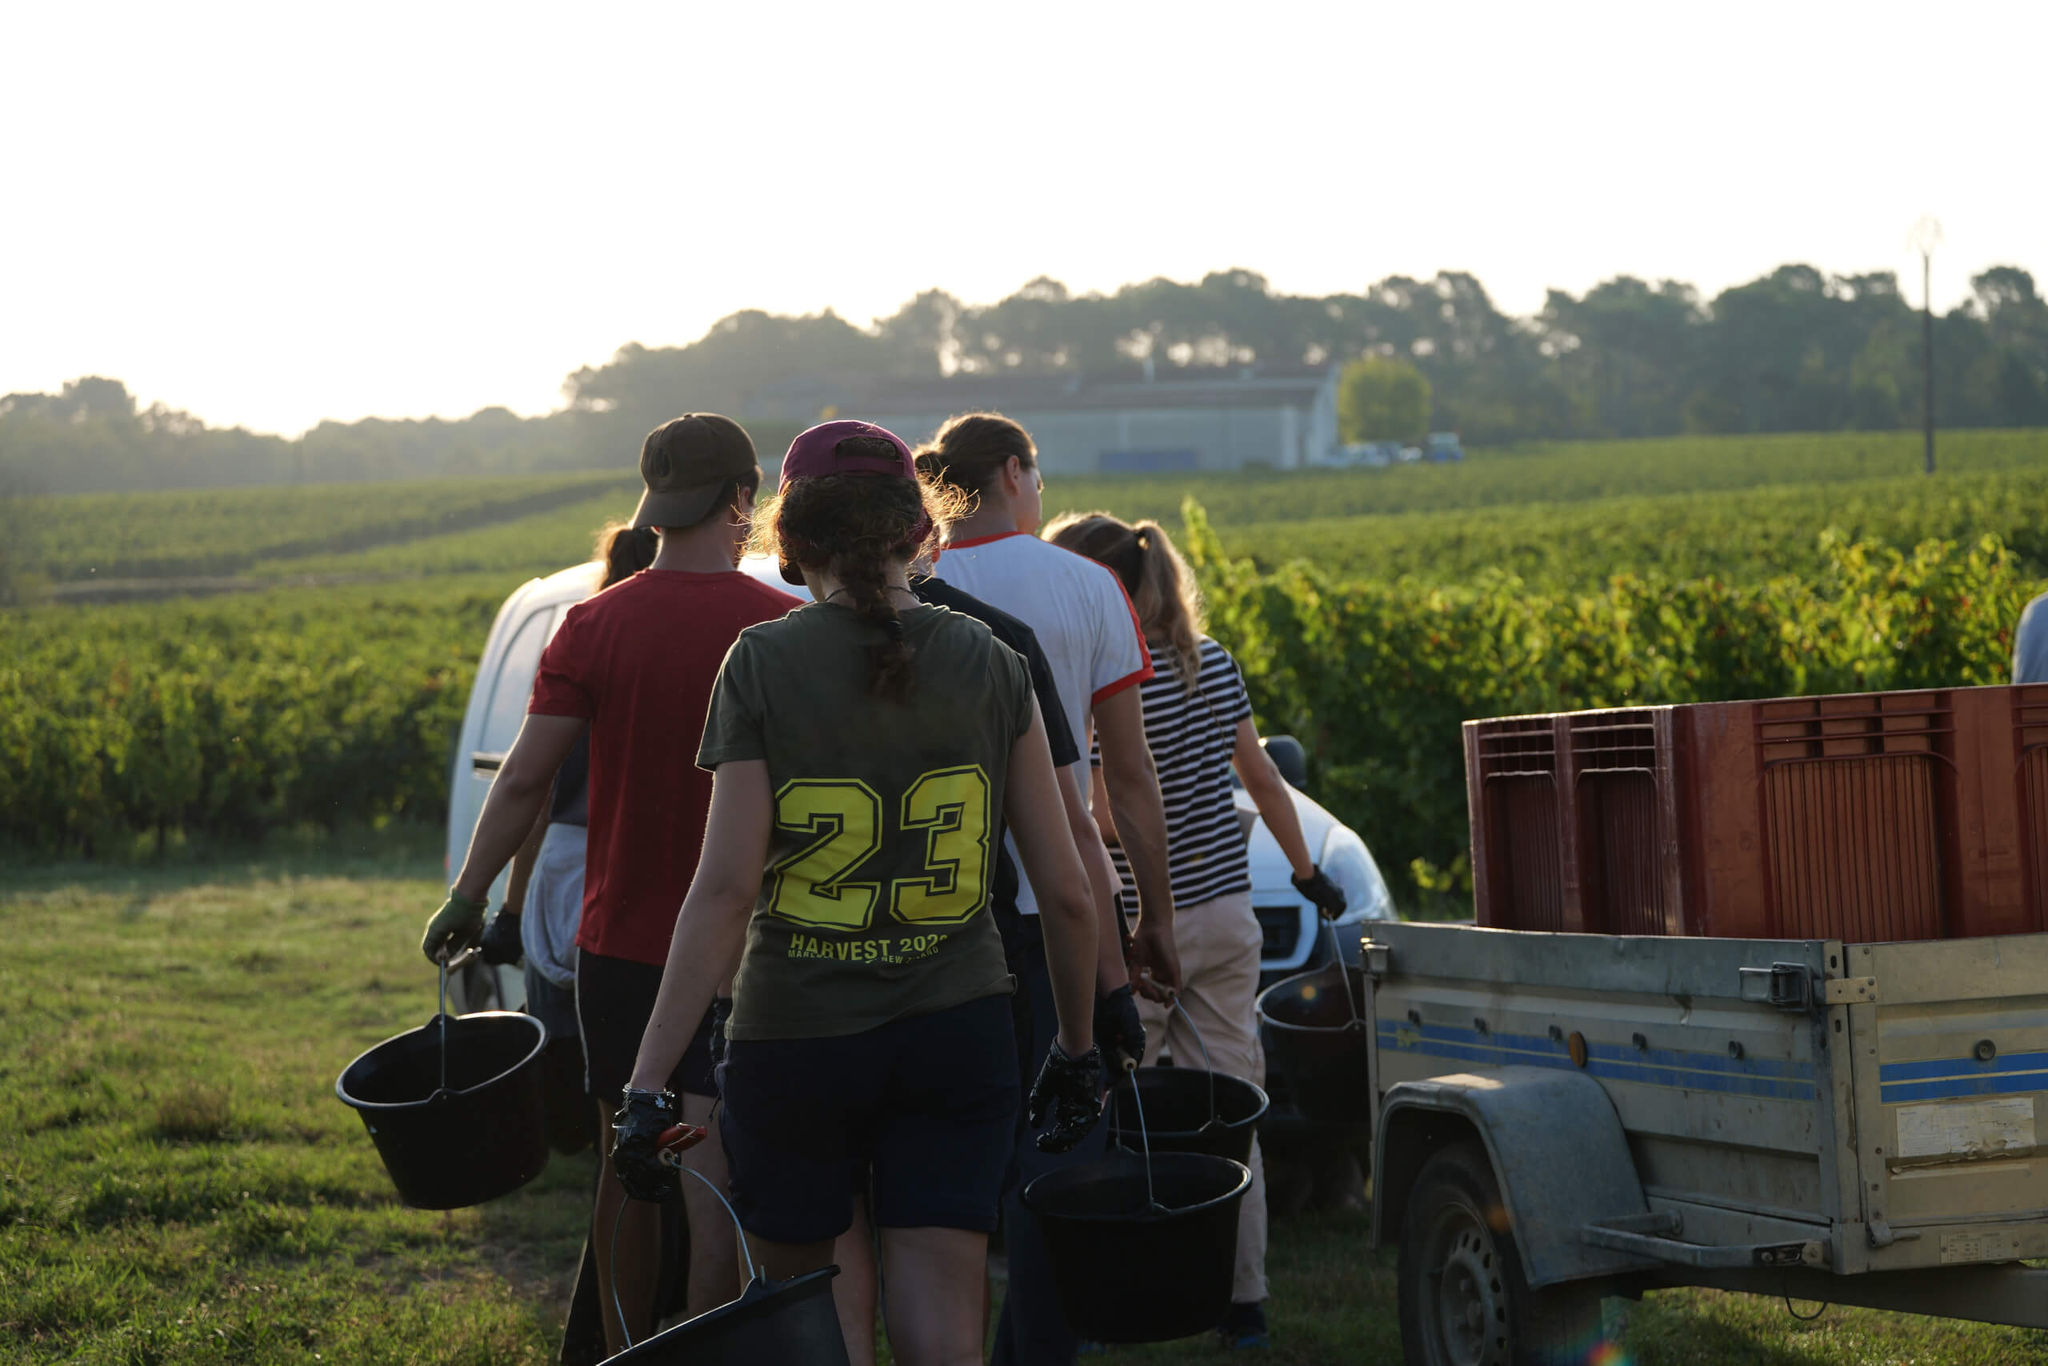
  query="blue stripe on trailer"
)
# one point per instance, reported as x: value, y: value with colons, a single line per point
x: 1988, y: 1084
x: 1786, y: 1069
x: 1657, y: 1067
x: 1946, y: 1068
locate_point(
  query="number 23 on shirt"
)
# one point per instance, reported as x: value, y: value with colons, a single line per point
x: 949, y: 807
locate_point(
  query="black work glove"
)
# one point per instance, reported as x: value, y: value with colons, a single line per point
x: 1068, y: 1093
x: 637, y: 1128
x: 1327, y: 895
x: 1118, y: 1030
x: 500, y: 942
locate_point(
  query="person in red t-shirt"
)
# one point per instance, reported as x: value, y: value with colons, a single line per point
x: 634, y: 667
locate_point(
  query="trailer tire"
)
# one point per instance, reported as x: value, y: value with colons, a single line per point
x: 1463, y: 1298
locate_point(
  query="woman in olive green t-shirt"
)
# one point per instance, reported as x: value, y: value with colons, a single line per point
x: 867, y: 751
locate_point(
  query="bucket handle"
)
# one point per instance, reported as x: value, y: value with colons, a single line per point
x: 753, y: 1273
x: 448, y: 964
x: 444, y: 1027
x: 1144, y: 1136
x: 1207, y: 1061
x: 1343, y: 971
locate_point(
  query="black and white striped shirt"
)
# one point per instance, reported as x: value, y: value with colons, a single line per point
x: 1192, y: 735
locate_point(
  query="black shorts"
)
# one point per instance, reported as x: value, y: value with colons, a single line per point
x: 614, y: 1001
x: 930, y: 1102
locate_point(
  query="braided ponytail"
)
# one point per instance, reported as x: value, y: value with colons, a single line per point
x: 865, y: 579
x: 857, y: 527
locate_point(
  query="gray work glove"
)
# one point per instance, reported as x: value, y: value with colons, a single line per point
x: 454, y: 927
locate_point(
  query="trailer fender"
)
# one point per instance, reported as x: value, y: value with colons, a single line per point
x: 1557, y: 1148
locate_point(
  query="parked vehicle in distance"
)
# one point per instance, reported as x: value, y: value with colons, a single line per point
x: 1444, y: 446
x: 1294, y: 937
x: 1364, y: 455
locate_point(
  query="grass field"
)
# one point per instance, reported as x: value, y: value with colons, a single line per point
x: 179, y: 1183
x: 1739, y: 536
x: 225, y: 531
x: 1555, y: 512
x: 1521, y: 579
x: 1736, y: 534
x: 1554, y: 472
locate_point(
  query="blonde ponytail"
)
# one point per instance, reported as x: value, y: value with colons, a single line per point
x: 1161, y: 586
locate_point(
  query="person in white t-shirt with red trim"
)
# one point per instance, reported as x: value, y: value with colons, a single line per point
x: 1091, y: 638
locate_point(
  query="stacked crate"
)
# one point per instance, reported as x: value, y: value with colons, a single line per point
x: 1862, y: 817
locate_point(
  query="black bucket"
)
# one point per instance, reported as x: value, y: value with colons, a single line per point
x: 790, y: 1321
x: 480, y: 1134
x: 1317, y: 1045
x: 1187, y: 1110
x: 1127, y: 1272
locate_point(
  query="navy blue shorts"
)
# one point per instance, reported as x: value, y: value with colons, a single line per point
x: 614, y: 1001
x: 928, y: 1102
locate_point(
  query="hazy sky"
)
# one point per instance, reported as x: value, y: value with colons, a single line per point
x: 274, y: 213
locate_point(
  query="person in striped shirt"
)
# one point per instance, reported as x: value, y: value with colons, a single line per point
x: 1198, y: 723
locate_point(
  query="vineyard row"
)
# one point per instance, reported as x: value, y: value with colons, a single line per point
x: 231, y: 718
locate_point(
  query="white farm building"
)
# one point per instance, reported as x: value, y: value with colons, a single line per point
x: 1211, y: 420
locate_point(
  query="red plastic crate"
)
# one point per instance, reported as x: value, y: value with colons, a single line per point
x: 2030, y: 740
x: 1863, y: 817
x: 1514, y: 787
x: 1624, y: 820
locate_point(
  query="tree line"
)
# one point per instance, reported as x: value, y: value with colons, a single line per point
x: 1795, y: 350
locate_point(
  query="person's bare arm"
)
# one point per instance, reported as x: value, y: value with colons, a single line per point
x: 1098, y: 806
x: 518, y: 796
x: 1269, y: 793
x: 523, y: 861
x: 1042, y: 827
x: 712, y: 926
x: 1103, y: 883
x: 1140, y: 819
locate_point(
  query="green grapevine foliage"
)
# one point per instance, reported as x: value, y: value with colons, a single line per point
x: 1376, y: 677
x: 1372, y: 611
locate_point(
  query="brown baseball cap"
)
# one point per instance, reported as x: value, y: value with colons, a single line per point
x: 686, y: 463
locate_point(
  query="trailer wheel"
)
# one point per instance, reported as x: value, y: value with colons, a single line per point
x: 1464, y: 1301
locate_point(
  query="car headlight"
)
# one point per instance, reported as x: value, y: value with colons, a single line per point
x: 1349, y: 864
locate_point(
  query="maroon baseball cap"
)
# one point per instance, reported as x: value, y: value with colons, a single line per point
x: 818, y: 452
x: 815, y: 453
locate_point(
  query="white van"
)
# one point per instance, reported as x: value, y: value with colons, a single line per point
x: 1294, y: 939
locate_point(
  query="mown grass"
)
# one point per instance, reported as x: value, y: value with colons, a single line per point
x: 179, y: 1184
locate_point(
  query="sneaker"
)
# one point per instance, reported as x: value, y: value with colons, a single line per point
x: 1244, y: 1327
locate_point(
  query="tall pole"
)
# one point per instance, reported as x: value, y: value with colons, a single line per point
x: 1925, y: 237
x: 1927, y: 350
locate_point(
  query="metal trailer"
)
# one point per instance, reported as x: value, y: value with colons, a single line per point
x: 1567, y: 1116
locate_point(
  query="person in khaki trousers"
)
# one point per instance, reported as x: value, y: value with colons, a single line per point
x: 1198, y: 723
